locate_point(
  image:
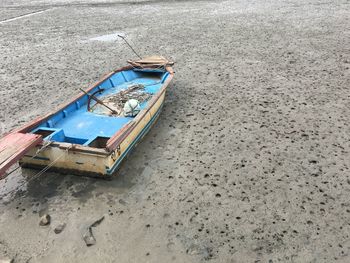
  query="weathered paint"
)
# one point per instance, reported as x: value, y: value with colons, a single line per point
x: 13, y: 146
x: 90, y: 162
x: 76, y: 156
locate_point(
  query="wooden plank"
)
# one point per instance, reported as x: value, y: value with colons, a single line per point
x: 13, y: 146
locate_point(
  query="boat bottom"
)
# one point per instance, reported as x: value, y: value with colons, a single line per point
x: 66, y: 171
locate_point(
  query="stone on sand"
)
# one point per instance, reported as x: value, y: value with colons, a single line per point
x: 58, y: 229
x: 45, y: 220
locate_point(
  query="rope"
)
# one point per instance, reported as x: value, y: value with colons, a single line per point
x: 39, y: 173
x: 133, y: 50
x: 45, y: 145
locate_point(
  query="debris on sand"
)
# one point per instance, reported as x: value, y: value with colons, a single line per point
x: 58, y: 229
x: 195, y: 249
x: 122, y: 201
x: 88, y: 236
x: 45, y: 220
x: 6, y: 260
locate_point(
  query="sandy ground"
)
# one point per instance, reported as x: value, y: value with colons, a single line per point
x: 249, y: 161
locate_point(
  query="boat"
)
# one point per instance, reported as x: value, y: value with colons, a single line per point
x: 94, y: 132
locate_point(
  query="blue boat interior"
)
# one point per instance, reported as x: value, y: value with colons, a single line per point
x: 75, y: 124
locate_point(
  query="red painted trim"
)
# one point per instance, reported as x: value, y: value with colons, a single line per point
x: 13, y: 146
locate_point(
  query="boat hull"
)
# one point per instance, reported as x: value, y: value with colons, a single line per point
x: 90, y: 161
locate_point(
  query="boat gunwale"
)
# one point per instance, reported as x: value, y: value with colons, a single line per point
x: 123, y: 133
x: 117, y: 138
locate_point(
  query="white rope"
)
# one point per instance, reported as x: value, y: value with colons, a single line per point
x: 46, y: 144
x: 39, y: 173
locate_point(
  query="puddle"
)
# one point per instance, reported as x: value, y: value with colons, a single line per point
x: 45, y: 187
x: 109, y: 37
x: 24, y: 182
x: 49, y: 185
x: 11, y: 185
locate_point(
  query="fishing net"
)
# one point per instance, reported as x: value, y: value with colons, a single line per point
x: 118, y: 100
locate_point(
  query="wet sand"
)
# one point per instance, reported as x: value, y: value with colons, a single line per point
x: 248, y: 161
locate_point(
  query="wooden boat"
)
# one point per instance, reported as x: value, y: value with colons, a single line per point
x: 91, y: 134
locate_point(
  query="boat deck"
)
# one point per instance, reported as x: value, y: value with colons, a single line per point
x: 75, y: 124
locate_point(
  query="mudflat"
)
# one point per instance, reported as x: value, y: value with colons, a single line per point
x: 248, y: 162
